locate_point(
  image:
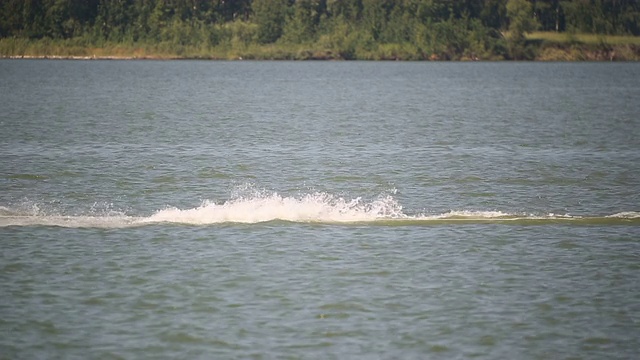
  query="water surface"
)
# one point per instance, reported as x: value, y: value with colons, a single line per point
x: 194, y: 209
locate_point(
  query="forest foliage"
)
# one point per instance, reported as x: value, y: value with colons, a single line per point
x: 345, y: 29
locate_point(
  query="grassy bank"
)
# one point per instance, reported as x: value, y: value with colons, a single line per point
x: 542, y: 46
x: 552, y: 46
x: 587, y: 39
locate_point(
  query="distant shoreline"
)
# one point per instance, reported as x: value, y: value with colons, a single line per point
x: 539, y: 47
x: 74, y: 57
x: 559, y: 56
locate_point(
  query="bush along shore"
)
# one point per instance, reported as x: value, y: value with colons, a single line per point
x: 544, y: 30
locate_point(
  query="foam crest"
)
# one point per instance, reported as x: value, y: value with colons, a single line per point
x: 249, y: 206
x: 469, y: 214
x: 315, y: 207
x: 626, y: 215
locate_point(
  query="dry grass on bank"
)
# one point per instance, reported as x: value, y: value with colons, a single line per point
x: 587, y: 39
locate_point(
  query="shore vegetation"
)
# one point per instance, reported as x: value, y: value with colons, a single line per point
x: 322, y: 29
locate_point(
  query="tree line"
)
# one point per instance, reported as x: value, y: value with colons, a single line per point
x: 441, y: 28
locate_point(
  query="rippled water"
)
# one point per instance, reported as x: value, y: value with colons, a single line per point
x: 185, y: 209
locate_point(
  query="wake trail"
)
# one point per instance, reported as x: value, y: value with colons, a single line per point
x: 316, y: 208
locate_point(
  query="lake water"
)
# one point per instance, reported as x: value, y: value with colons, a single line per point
x: 319, y: 210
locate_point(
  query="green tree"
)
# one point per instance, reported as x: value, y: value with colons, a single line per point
x: 70, y: 18
x: 401, y: 24
x: 33, y: 18
x: 549, y: 14
x: 521, y: 21
x: 585, y: 16
x: 349, y: 10
x: 227, y: 11
x: 301, y: 26
x: 12, y: 14
x: 375, y: 13
x: 270, y: 16
x: 114, y: 19
x: 494, y: 14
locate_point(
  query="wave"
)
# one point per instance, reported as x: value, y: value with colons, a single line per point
x: 317, y: 207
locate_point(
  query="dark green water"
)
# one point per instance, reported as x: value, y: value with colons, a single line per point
x: 185, y: 209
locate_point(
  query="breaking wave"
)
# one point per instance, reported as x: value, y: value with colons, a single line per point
x: 317, y: 207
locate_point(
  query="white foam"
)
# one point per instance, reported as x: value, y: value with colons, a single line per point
x: 315, y: 207
x: 470, y: 214
x: 626, y: 215
x: 248, y: 205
